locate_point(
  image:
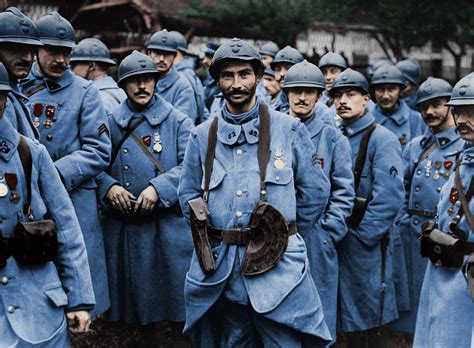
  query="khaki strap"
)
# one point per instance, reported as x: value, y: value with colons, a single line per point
x: 147, y: 152
x: 360, y: 161
x: 210, y: 154
x: 35, y: 89
x: 263, y: 148
x: 424, y: 155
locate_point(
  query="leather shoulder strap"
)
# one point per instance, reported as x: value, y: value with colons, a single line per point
x: 210, y: 154
x: 362, y: 154
x: 147, y: 152
x: 464, y: 198
x: 27, y: 164
x: 424, y: 155
x: 263, y: 148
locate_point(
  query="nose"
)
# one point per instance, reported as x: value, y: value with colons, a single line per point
x: 60, y: 58
x: 237, y: 83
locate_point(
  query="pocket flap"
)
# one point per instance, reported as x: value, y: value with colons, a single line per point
x: 279, y: 176
x: 218, y: 174
x: 57, y: 296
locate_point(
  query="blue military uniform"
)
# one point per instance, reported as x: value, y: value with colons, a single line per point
x: 334, y: 152
x: 423, y: 189
x: 283, y: 299
x: 211, y: 89
x: 34, y: 298
x: 362, y: 286
x: 19, y: 115
x: 74, y: 129
x: 111, y: 94
x: 147, y: 257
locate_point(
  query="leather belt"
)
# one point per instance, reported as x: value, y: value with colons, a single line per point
x: 422, y: 213
x: 240, y: 236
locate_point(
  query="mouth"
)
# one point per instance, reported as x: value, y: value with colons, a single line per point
x: 342, y: 110
x: 463, y: 129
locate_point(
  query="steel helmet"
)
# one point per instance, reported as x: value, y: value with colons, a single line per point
x: 410, y: 69
x: 433, y: 88
x: 269, y: 49
x: 181, y: 41
x: 287, y: 55
x: 304, y: 74
x: 4, y: 79
x: 463, y: 91
x: 136, y: 63
x: 350, y: 78
x: 388, y: 74
x: 55, y: 30
x: 332, y: 59
x: 269, y: 71
x: 91, y: 50
x: 15, y: 27
x: 236, y: 49
x: 163, y: 41
x: 378, y: 64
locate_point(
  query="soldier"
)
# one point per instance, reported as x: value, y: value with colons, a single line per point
x: 73, y: 127
x: 268, y: 52
x: 90, y: 59
x: 148, y: 242
x: 272, y: 87
x: 210, y: 85
x: 376, y: 65
x: 426, y: 171
x: 41, y: 296
x: 331, y: 65
x: 304, y: 84
x: 366, y: 290
x: 234, y: 296
x: 185, y: 64
x: 171, y: 86
x: 18, y: 43
x: 411, y: 70
x: 445, y: 312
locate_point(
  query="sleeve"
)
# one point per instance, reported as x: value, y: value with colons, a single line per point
x: 341, y: 199
x: 166, y: 184
x: 71, y: 261
x: 191, y: 176
x: 104, y: 183
x: 387, y: 190
x: 311, y: 185
x: 94, y: 155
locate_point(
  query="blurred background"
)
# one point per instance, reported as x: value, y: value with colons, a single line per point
x: 439, y: 34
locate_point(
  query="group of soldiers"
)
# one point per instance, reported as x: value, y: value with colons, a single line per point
x: 272, y: 203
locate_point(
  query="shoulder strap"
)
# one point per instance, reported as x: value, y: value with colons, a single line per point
x: 26, y: 163
x: 147, y: 152
x: 210, y: 154
x: 362, y: 154
x: 464, y: 198
x: 263, y: 148
x: 125, y: 136
x: 105, y: 90
x: 35, y: 89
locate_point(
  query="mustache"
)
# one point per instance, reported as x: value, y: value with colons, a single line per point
x: 58, y: 66
x: 141, y: 92
x: 342, y: 108
x: 463, y: 127
x: 303, y: 103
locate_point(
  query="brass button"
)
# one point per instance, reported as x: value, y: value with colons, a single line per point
x: 49, y: 137
x: 4, y: 280
x: 11, y: 309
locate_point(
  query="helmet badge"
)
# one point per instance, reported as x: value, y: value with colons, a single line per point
x: 61, y: 32
x: 25, y: 26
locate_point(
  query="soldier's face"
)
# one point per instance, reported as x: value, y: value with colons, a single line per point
x: 81, y: 69
x: 434, y: 112
x: 163, y: 60
x: 271, y: 85
x: 330, y: 72
x: 17, y: 59
x: 54, y: 60
x: 302, y: 101
x: 387, y: 96
x: 280, y: 71
x: 3, y: 102
x: 464, y: 118
x: 350, y: 103
x: 140, y: 89
x: 238, y: 82
x: 206, y: 61
x: 266, y: 60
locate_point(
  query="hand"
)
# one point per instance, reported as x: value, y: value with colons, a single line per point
x: 120, y: 199
x: 147, y: 200
x: 78, y: 321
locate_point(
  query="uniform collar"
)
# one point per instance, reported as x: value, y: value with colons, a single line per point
x: 314, y: 124
x: 399, y: 115
x: 105, y: 82
x: 185, y: 64
x: 229, y: 133
x: 157, y: 112
x: 9, y: 139
x: 167, y: 81
x: 35, y: 77
x: 362, y: 123
x: 446, y: 137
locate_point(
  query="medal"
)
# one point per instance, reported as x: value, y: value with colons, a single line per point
x: 50, y: 112
x: 157, y: 148
x: 11, y: 180
x: 448, y: 164
x: 450, y: 210
x: 156, y: 138
x: 428, y: 168
x: 437, y: 166
x: 37, y: 111
x: 146, y: 140
x: 3, y: 189
x: 48, y: 123
x: 453, y: 195
x: 15, y: 197
x: 278, y: 163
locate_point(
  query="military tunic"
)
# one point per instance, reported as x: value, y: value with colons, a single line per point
x: 147, y: 257
x: 424, y: 183
x: 33, y: 299
x: 445, y: 312
x: 367, y: 298
x: 334, y: 152
x: 111, y: 94
x: 74, y: 129
x: 284, y: 296
x: 177, y: 91
x: 18, y: 114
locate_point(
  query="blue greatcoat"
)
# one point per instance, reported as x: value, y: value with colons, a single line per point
x: 423, y: 185
x: 18, y: 114
x: 186, y: 68
x: 211, y: 89
x: 285, y: 294
x: 33, y: 299
x: 445, y: 313
x: 112, y: 95
x: 177, y: 90
x: 147, y: 257
x: 361, y: 288
x: 334, y: 152
x: 78, y: 141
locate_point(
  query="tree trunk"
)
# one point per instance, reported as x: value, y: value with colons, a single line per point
x: 381, y: 42
x: 457, y: 55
